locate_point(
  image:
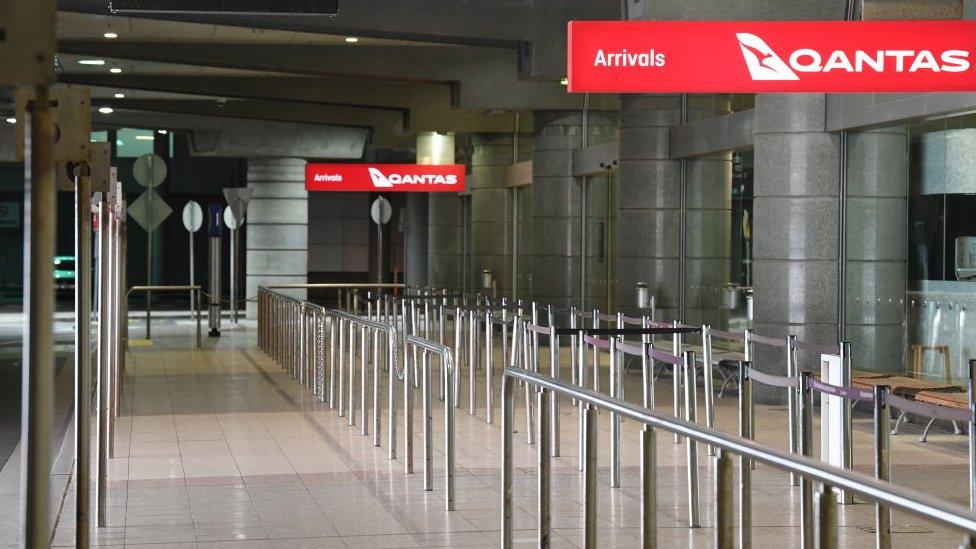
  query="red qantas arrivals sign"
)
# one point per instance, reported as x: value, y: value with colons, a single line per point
x: 746, y: 56
x: 410, y: 178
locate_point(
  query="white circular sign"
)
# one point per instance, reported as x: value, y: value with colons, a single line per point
x: 381, y: 211
x: 192, y: 216
x: 229, y: 219
x: 149, y: 170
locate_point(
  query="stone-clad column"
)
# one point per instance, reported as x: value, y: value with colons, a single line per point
x: 444, y: 230
x: 555, y: 253
x: 648, y: 205
x: 877, y: 186
x: 277, y: 225
x: 491, y: 206
x: 796, y: 214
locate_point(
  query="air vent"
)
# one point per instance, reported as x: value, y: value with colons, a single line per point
x: 262, y: 7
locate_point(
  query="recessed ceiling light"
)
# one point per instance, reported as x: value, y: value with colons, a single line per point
x: 120, y: 96
x: 91, y: 62
x: 564, y: 82
x: 11, y: 120
x: 162, y: 132
x: 145, y: 137
x: 106, y: 110
x: 110, y: 35
x: 352, y: 39
x: 115, y: 70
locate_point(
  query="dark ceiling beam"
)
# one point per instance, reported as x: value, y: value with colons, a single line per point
x: 429, y: 109
x: 386, y: 126
x: 484, y: 78
x: 537, y: 30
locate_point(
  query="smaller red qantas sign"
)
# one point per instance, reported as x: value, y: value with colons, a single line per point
x: 727, y: 56
x: 409, y: 178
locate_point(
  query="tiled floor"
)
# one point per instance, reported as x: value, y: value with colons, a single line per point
x: 220, y: 447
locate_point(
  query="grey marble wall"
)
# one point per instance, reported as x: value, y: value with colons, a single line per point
x: 795, y: 225
x: 277, y: 226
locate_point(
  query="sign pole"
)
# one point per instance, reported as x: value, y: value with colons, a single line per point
x: 192, y: 271
x: 233, y: 276
x: 149, y: 251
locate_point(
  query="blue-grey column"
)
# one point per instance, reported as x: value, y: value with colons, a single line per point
x: 277, y: 226
x: 648, y: 205
x: 555, y: 249
x: 796, y: 214
x: 877, y: 186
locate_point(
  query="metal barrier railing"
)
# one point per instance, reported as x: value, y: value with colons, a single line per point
x: 885, y: 494
x: 293, y: 333
x: 194, y: 290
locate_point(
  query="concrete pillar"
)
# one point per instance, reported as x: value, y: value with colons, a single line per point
x: 877, y: 185
x: 416, y: 240
x: 277, y: 226
x: 491, y: 206
x: 795, y: 226
x: 444, y: 229
x: 648, y: 202
x: 555, y: 214
x: 709, y: 238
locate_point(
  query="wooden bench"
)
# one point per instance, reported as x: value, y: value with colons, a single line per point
x: 951, y: 400
x: 905, y: 386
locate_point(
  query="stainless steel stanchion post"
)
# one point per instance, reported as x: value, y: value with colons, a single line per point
x: 581, y: 362
x: 691, y: 455
x: 882, y: 466
x: 376, y: 386
x: 554, y: 398
x: 589, y: 477
x: 351, y: 388
x: 83, y: 226
x: 614, y: 418
x: 363, y: 380
x: 472, y: 353
x: 709, y: 384
x: 508, y: 424
x: 407, y: 408
x: 333, y: 344
x: 391, y: 359
x: 543, y: 467
x: 340, y: 381
x: 428, y: 422
x: 846, y: 497
x: 791, y: 404
x: 827, y: 518
x: 199, y: 320
x: 676, y: 378
x: 648, y: 491
x: 745, y: 467
x: 458, y: 344
x: 805, y: 439
x: 101, y: 395
x: 489, y: 368
x: 724, y: 519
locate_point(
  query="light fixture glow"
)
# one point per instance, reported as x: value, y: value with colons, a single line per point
x: 145, y: 137
x: 98, y: 62
x: 162, y: 132
x: 110, y: 35
x: 106, y: 110
x: 115, y: 70
x: 352, y: 39
x: 564, y: 82
x: 11, y: 120
x: 120, y: 96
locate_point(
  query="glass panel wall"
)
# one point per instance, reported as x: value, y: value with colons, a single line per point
x: 911, y: 248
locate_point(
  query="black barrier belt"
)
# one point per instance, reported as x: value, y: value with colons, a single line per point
x: 843, y: 392
x: 772, y: 380
x: 625, y: 331
x: 945, y: 413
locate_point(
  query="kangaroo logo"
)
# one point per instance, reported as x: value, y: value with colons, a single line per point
x: 380, y: 181
x: 762, y: 61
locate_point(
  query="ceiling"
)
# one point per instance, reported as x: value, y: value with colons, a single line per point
x: 393, y: 67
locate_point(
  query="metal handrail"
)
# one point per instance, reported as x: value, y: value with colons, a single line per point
x: 881, y: 492
x: 194, y: 289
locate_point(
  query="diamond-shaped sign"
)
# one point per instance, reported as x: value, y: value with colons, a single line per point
x: 237, y: 199
x: 146, y: 218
